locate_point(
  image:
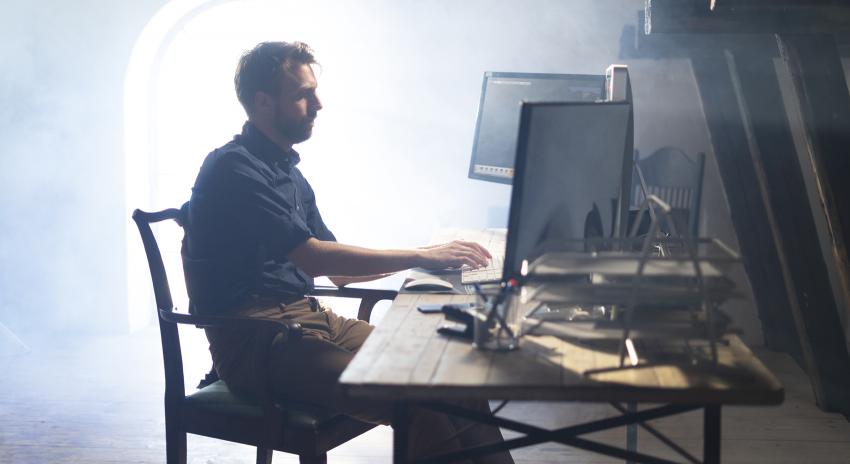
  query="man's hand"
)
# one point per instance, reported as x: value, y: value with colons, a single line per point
x: 454, y: 255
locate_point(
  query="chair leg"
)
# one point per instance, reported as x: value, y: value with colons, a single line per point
x: 175, y: 445
x: 264, y: 455
x: 320, y: 459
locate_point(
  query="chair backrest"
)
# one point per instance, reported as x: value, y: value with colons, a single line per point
x: 675, y: 177
x: 171, y: 354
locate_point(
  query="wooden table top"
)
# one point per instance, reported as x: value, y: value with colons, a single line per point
x: 404, y: 358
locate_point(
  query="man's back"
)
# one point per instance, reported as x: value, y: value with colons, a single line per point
x: 250, y: 206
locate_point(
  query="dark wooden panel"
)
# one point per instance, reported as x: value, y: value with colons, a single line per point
x: 820, y: 83
x: 746, y: 206
x: 747, y: 16
x: 815, y: 311
x: 820, y: 87
x: 636, y: 44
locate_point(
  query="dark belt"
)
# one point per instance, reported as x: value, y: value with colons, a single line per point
x: 255, y: 301
x: 312, y: 301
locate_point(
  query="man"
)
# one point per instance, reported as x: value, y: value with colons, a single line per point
x: 255, y: 240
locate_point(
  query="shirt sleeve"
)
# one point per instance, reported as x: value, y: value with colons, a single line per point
x: 248, y: 201
x: 314, y: 217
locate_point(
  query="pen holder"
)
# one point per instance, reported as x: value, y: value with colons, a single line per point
x: 489, y: 329
x: 481, y: 328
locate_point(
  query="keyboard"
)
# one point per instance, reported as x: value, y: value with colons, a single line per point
x: 483, y: 275
x: 491, y: 239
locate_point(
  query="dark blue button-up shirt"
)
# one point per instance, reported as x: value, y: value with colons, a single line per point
x: 250, y: 207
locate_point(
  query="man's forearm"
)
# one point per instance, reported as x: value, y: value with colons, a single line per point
x: 321, y: 258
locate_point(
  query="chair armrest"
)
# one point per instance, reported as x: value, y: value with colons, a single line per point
x: 291, y: 329
x: 354, y: 292
x: 368, y: 297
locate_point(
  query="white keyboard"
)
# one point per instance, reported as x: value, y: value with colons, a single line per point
x: 491, y: 239
x: 491, y: 273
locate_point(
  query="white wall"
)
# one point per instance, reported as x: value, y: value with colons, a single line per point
x: 61, y: 163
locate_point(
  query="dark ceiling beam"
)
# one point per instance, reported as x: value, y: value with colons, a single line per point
x: 747, y: 16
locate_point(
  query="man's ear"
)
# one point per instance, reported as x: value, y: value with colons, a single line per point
x: 263, y: 103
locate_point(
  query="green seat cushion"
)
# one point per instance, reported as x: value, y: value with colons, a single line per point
x: 217, y: 398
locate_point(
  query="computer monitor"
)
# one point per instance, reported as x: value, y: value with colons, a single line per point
x: 573, y: 176
x: 502, y: 93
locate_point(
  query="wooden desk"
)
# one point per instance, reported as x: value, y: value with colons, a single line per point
x: 406, y: 360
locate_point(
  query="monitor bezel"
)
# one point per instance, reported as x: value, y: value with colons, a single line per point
x: 508, y: 272
x: 590, y: 78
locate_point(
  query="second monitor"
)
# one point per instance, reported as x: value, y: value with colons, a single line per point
x: 494, y: 143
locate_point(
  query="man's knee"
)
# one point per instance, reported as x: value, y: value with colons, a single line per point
x: 310, y: 360
x: 348, y: 333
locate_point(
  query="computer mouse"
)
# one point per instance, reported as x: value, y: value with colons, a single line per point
x: 428, y: 284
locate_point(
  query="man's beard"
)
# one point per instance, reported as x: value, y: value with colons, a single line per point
x: 296, y: 131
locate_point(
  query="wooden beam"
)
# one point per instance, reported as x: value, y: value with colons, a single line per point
x: 746, y: 206
x: 825, y: 104
x: 793, y: 228
x: 721, y: 4
x: 746, y: 16
x: 814, y: 64
x: 728, y: 4
x: 635, y: 44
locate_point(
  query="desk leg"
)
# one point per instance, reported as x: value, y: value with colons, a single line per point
x: 711, y: 435
x: 401, y: 426
x: 631, y: 431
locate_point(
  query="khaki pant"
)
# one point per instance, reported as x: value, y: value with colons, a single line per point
x: 307, y: 370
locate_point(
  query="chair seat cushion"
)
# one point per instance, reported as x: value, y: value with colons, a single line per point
x: 217, y: 398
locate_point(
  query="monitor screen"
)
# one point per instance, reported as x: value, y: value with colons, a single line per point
x: 494, y: 143
x: 569, y: 182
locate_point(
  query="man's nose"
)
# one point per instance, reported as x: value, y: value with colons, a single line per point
x: 316, y: 103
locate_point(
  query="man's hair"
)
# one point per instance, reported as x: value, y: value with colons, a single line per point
x: 261, y: 69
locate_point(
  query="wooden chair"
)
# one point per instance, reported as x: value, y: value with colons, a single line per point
x: 672, y: 175
x: 214, y: 411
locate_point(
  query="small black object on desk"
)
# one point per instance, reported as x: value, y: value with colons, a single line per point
x: 464, y: 319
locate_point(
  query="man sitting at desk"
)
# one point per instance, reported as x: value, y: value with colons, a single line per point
x: 256, y: 240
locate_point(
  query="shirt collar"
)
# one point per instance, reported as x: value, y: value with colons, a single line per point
x: 261, y: 146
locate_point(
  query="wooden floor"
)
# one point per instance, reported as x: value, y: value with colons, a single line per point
x: 98, y: 400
